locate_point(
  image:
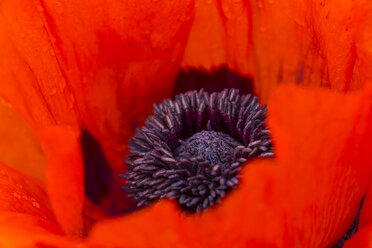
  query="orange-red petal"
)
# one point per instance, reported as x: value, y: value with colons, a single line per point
x: 323, y: 146
x: 22, y: 194
x: 163, y: 225
x: 365, y: 218
x: 307, y: 42
x: 19, y: 148
x: 26, y: 217
x: 23, y: 230
x: 362, y: 239
x: 318, y: 43
x: 308, y: 196
x: 64, y: 176
x: 100, y: 64
x: 228, y: 40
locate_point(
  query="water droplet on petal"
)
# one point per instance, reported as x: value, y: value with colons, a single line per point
x: 35, y: 204
x: 71, y: 101
x: 59, y: 7
x: 16, y: 195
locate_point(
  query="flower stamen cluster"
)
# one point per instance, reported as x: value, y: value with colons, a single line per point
x: 193, y: 147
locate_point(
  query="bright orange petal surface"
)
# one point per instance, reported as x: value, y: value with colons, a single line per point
x: 163, y: 225
x: 323, y: 147
x: 19, y: 147
x: 64, y: 177
x: 228, y: 40
x: 99, y: 64
x: 318, y: 43
x: 26, y: 217
x: 24, y: 195
x: 308, y: 196
x: 307, y: 42
x: 23, y: 230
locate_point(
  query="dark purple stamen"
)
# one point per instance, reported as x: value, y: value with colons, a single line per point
x: 192, y: 148
x: 214, y: 80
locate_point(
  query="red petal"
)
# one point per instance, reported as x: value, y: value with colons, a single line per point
x: 64, y: 177
x: 322, y: 142
x: 22, y: 230
x: 365, y: 217
x: 319, y: 43
x: 24, y: 195
x: 26, y: 217
x: 308, y: 42
x: 307, y: 197
x: 362, y: 239
x: 15, y: 133
x: 102, y: 63
x: 164, y: 225
x: 228, y: 40
x: 98, y: 65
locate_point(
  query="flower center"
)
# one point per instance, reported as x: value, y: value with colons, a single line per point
x: 193, y: 147
x: 210, y: 145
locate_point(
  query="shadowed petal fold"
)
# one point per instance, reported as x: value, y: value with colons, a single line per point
x: 65, y: 176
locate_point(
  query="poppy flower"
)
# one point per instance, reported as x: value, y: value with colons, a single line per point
x: 84, y: 75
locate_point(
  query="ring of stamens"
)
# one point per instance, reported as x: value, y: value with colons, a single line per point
x: 192, y: 148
